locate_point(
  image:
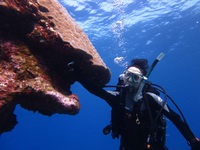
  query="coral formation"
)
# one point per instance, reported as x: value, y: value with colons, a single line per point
x: 42, y: 53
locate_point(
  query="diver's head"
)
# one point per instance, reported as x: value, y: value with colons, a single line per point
x: 136, y: 72
x: 141, y: 64
x: 133, y: 77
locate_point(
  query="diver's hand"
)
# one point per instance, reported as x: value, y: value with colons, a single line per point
x: 195, y: 144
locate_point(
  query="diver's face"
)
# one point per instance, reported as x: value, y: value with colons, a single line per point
x: 133, y: 77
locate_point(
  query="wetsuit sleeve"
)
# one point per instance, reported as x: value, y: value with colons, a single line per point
x: 109, y: 96
x: 174, y: 117
x: 180, y: 124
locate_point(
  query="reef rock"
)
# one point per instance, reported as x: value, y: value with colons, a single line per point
x: 42, y: 53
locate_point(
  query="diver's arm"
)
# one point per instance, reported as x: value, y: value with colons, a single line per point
x: 184, y: 128
x: 175, y: 118
x: 180, y: 124
x: 108, y: 96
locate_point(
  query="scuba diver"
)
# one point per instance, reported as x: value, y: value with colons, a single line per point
x: 138, y: 115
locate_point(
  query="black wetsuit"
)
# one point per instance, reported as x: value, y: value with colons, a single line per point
x: 133, y: 134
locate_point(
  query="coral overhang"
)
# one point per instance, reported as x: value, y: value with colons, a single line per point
x: 42, y: 53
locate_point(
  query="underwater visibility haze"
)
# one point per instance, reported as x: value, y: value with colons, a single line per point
x: 121, y: 30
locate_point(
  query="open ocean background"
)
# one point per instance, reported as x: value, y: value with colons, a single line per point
x: 121, y: 30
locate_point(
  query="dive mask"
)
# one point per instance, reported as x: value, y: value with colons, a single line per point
x: 133, y: 76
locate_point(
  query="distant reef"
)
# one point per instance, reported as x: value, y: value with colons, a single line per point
x: 42, y: 53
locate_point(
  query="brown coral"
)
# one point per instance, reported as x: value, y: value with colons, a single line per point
x: 42, y: 53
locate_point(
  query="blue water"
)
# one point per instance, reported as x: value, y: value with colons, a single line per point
x: 121, y: 30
